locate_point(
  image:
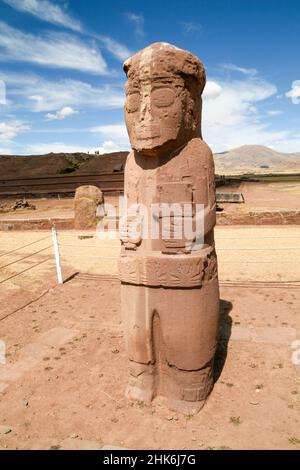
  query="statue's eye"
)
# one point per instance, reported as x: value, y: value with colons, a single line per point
x: 163, y: 97
x: 133, y: 102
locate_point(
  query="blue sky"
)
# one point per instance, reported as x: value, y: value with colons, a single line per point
x: 62, y: 84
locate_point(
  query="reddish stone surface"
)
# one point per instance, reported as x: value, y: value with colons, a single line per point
x: 170, y: 294
x: 86, y: 202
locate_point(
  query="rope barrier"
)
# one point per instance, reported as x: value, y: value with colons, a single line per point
x: 25, y: 257
x: 219, y: 248
x: 91, y: 246
x: 98, y: 244
x: 25, y: 246
x: 93, y: 257
x: 219, y: 238
x: 91, y: 234
x: 260, y: 261
x: 260, y: 249
x: 25, y: 270
x: 257, y: 238
x: 255, y: 284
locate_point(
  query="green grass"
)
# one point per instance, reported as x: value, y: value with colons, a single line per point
x: 236, y: 420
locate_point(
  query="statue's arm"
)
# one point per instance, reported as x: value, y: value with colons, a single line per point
x: 204, y: 187
x: 129, y: 227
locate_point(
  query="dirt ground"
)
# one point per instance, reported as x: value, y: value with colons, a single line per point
x: 54, y: 207
x: 63, y: 382
x: 264, y: 196
x: 260, y: 196
x: 45, y: 207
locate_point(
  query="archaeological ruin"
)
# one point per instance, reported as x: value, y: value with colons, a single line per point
x: 170, y: 291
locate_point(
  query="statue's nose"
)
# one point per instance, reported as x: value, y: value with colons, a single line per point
x: 145, y: 110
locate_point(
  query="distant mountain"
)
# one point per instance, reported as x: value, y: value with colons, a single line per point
x: 256, y: 159
x: 245, y: 159
x: 55, y: 164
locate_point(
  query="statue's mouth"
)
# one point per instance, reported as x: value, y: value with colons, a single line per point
x: 147, y: 132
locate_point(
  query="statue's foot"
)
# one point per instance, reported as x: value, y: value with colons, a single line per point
x: 134, y: 392
x: 184, y: 407
x: 141, y: 382
x: 189, y: 398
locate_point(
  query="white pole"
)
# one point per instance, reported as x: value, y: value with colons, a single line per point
x: 56, y: 256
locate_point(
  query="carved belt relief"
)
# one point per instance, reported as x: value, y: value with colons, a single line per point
x: 168, y: 271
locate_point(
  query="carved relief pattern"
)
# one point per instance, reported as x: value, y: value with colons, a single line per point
x: 170, y: 271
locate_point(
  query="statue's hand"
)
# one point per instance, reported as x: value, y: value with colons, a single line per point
x: 130, y: 229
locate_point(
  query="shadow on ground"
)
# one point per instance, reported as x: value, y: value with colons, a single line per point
x: 224, y: 336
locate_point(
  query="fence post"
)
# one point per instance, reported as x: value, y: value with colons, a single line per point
x: 2, y: 353
x: 56, y: 256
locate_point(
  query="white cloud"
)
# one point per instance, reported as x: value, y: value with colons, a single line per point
x: 212, y: 90
x: 294, y: 92
x: 138, y: 21
x: 189, y: 27
x: 58, y: 147
x: 232, y: 119
x: 5, y: 151
x: 114, y: 131
x: 2, y: 92
x: 72, y: 92
x: 55, y: 147
x: 274, y: 112
x: 57, y: 50
x: 63, y: 113
x: 110, y: 146
x: 9, y: 130
x: 47, y: 11
x: 118, y: 50
x: 287, y: 143
x: 18, y: 78
x: 232, y: 105
x: 253, y: 109
x: 243, y: 70
x: 41, y: 95
x: 115, y: 137
x: 52, y: 13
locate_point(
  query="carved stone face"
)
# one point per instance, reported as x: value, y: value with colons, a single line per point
x: 154, y: 113
x: 162, y: 109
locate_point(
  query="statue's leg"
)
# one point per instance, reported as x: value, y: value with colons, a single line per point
x: 136, y: 308
x: 189, y: 319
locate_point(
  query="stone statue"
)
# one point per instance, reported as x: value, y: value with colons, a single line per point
x: 170, y: 292
x: 88, y: 203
